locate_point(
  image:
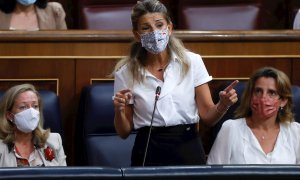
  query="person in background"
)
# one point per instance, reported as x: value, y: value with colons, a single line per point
x: 157, y: 58
x: 265, y: 131
x: 31, y: 15
x: 23, y: 141
x: 296, y: 24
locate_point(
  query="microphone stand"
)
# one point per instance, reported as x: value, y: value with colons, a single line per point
x: 157, y: 93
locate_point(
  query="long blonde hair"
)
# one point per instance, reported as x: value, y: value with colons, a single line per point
x: 137, y: 57
x: 7, y: 128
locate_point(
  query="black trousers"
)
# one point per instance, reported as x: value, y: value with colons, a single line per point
x: 169, y: 146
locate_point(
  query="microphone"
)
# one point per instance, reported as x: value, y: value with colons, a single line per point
x: 157, y: 93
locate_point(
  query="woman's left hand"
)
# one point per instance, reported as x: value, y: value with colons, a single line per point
x: 228, y: 96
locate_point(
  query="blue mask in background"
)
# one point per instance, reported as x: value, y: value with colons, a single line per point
x: 155, y: 41
x: 26, y: 2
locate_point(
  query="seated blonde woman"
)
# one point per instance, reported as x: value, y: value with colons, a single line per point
x: 23, y: 141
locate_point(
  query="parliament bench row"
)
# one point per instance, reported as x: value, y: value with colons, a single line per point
x: 250, y: 172
x: 97, y: 143
x: 193, y: 14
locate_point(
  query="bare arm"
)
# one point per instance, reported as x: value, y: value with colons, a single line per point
x: 123, y: 113
x: 211, y: 113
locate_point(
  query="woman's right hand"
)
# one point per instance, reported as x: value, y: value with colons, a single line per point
x: 123, y: 119
x: 122, y: 98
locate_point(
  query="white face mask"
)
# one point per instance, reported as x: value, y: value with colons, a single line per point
x: 26, y: 2
x: 27, y: 120
x: 155, y: 41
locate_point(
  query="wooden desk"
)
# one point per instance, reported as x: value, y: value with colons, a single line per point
x: 74, y: 57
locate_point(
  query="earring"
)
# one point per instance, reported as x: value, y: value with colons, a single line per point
x: 281, y: 111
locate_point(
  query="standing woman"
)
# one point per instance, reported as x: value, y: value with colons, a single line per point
x: 157, y: 58
x: 31, y: 15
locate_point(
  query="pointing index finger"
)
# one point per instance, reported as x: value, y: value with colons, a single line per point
x: 231, y: 86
